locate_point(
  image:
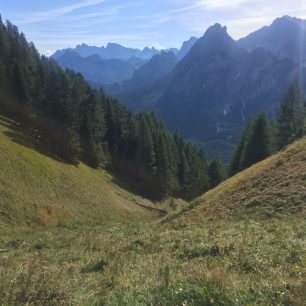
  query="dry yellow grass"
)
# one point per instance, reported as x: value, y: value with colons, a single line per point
x: 274, y: 187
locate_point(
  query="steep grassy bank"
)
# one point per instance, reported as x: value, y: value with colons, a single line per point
x: 70, y: 236
x: 37, y: 190
x: 275, y: 187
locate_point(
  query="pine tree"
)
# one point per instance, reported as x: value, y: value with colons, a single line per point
x: 200, y: 172
x: 290, y: 118
x: 235, y: 164
x: 259, y: 144
x: 93, y: 131
x: 3, y: 51
x: 147, y: 150
x: 217, y: 172
x: 163, y: 163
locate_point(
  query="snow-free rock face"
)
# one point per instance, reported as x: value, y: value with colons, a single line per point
x: 285, y: 38
x: 186, y: 46
x: 159, y: 66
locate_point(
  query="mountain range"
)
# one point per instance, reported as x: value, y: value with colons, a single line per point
x: 99, y: 71
x: 212, y: 85
x: 115, y: 63
x: 220, y: 83
x: 285, y: 38
x: 111, y: 51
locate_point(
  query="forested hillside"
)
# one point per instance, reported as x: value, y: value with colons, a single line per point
x: 74, y: 122
x: 262, y: 136
x: 37, y: 190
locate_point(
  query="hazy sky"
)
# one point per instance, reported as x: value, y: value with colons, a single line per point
x: 57, y: 24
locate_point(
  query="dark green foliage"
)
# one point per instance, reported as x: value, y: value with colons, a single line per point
x: 256, y: 143
x: 290, y: 119
x: 259, y: 143
x: 263, y: 137
x: 217, y: 172
x: 77, y: 123
x: 235, y: 164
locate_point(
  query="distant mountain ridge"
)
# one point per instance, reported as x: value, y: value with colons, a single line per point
x: 284, y: 38
x: 115, y: 63
x: 96, y: 70
x: 111, y: 51
x: 158, y: 67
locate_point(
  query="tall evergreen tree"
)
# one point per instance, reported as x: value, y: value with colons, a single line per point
x: 164, y: 173
x: 290, y: 117
x: 147, y: 152
x: 217, y: 172
x: 235, y: 163
x: 259, y: 143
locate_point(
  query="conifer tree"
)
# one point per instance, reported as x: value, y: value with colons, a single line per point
x: 290, y: 117
x: 259, y: 143
x: 163, y: 163
x: 147, y: 151
x: 235, y: 164
x: 217, y: 172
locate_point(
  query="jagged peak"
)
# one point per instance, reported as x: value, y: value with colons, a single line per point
x: 215, y: 40
x: 146, y: 49
x: 70, y: 53
x: 286, y: 19
x: 110, y: 45
x: 216, y: 37
x: 191, y: 39
x: 82, y: 45
x: 216, y: 29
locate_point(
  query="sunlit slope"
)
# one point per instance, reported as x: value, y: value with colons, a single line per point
x: 36, y: 189
x: 272, y: 188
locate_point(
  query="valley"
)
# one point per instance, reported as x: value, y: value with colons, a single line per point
x: 102, y: 248
x: 106, y: 194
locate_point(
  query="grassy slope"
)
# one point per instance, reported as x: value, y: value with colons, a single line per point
x: 36, y: 189
x: 98, y: 256
x: 273, y: 188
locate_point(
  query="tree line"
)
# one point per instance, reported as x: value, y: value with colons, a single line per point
x: 77, y: 123
x: 263, y: 137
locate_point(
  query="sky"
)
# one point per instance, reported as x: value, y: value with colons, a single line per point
x: 58, y: 24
